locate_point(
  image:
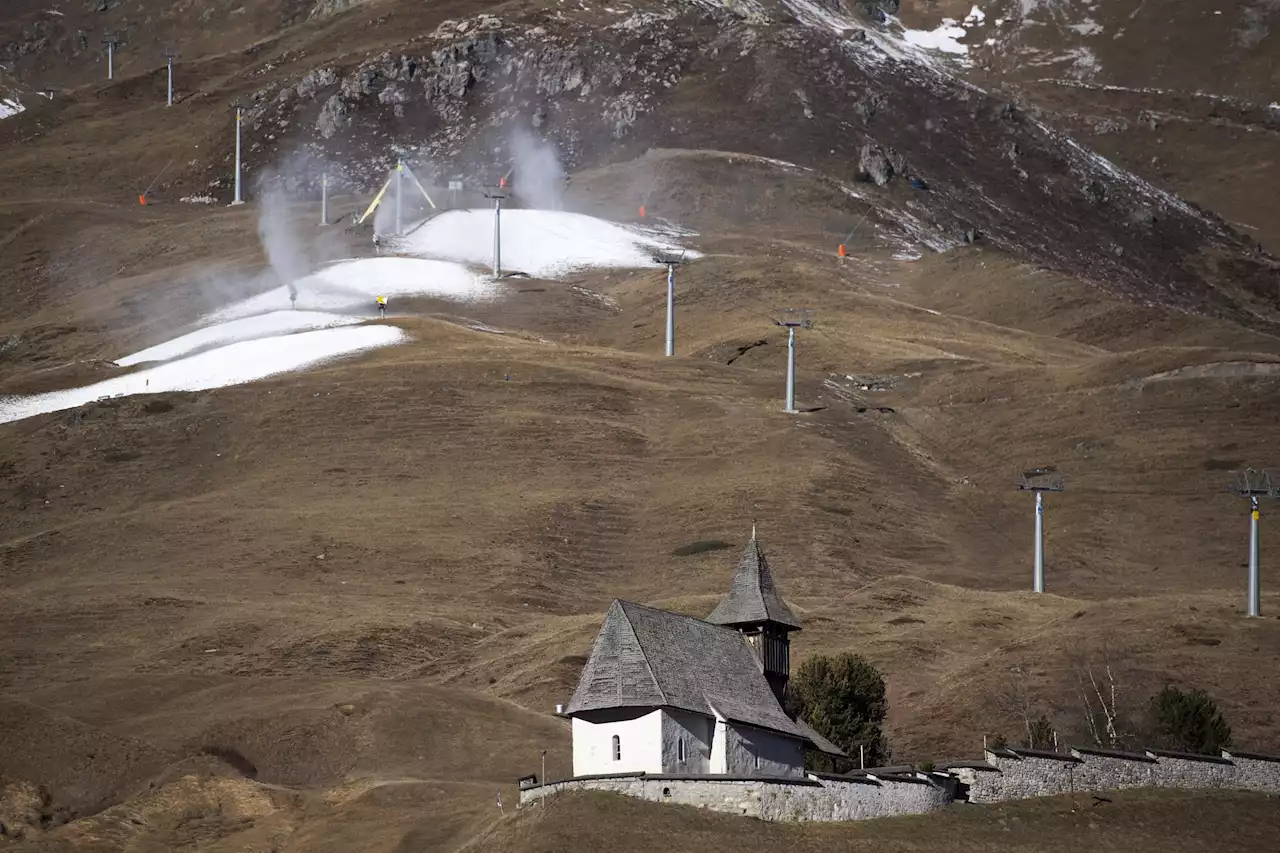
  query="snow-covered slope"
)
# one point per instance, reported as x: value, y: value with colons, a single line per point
x: 247, y: 328
x: 233, y: 364
x: 540, y: 243
x: 263, y: 336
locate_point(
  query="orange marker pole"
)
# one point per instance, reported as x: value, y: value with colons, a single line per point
x: 841, y: 251
x: 642, y: 211
x: 142, y: 199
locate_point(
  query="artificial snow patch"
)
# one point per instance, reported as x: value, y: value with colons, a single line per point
x: 943, y: 39
x: 10, y: 107
x: 234, y: 364
x: 975, y: 17
x: 1087, y: 27
x: 539, y: 243
x: 248, y: 328
x: 356, y: 284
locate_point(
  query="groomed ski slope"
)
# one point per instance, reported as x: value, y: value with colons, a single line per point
x: 233, y: 364
x: 538, y: 243
x: 244, y: 329
x: 355, y: 284
x: 265, y: 335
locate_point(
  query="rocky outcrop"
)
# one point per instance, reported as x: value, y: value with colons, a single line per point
x: 325, y: 8
x: 333, y: 117
x: 23, y: 811
x: 879, y: 165
x: 313, y: 82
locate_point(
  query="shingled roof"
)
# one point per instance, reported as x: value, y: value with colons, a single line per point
x: 644, y: 657
x: 752, y: 598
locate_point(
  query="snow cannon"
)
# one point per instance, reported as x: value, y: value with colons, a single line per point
x: 142, y: 199
x: 642, y: 211
x: 842, y: 252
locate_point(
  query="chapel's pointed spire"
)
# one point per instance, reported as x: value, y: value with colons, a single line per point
x: 753, y: 601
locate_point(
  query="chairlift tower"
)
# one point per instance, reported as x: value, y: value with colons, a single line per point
x: 497, y: 196
x: 239, y: 199
x: 799, y: 320
x: 1040, y: 480
x: 399, y: 196
x: 671, y: 261
x: 1254, y: 485
x: 169, y: 56
x: 112, y: 43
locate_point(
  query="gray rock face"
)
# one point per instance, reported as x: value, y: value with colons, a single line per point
x: 879, y: 165
x: 393, y: 93
x: 559, y: 70
x: 458, y: 66
x: 333, y: 117
x: 316, y: 80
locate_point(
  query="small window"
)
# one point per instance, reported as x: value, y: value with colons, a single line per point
x: 680, y: 750
x: 617, y: 748
x: 756, y: 756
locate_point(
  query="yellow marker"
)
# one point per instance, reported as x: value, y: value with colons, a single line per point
x: 1255, y: 515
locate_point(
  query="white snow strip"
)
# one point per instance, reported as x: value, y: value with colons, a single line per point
x: 816, y: 16
x: 540, y: 243
x: 975, y: 17
x: 356, y: 284
x: 248, y: 328
x: 10, y: 107
x: 1087, y: 27
x: 943, y: 39
x: 234, y: 364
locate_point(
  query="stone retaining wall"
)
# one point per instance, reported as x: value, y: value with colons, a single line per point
x: 1014, y: 774
x: 1006, y: 774
x: 781, y: 799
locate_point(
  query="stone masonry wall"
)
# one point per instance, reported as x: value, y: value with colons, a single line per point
x: 768, y: 799
x: 1018, y: 774
x: 836, y: 800
x: 1255, y: 773
x: 1007, y: 774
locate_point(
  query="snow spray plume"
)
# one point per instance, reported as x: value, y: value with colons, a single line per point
x: 538, y: 180
x: 284, y: 251
x: 384, y: 218
x: 291, y: 256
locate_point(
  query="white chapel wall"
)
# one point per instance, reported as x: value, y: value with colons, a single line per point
x: 719, y: 755
x: 696, y: 732
x: 639, y: 738
x: 778, y: 755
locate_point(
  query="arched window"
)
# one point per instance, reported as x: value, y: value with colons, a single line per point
x: 617, y: 748
x: 680, y: 750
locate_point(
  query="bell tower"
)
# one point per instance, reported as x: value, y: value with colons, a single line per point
x: 755, y: 609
